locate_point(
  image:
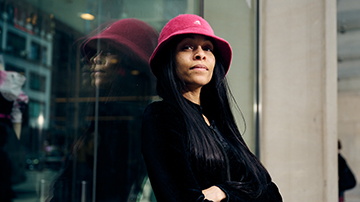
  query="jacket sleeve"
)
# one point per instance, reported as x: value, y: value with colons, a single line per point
x: 164, y: 152
x: 272, y: 194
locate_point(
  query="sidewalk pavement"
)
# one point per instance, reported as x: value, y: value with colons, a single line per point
x: 353, y: 195
x: 31, y: 190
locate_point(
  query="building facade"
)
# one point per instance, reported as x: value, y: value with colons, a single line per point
x: 283, y: 76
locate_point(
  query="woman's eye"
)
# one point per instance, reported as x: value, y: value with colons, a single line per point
x: 187, y: 47
x: 108, y: 52
x: 208, y: 49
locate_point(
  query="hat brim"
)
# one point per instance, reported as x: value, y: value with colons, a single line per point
x: 121, y: 42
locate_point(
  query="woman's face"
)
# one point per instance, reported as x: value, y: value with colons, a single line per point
x: 104, y: 68
x: 195, y: 60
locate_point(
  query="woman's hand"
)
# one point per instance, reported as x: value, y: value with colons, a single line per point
x: 214, y: 193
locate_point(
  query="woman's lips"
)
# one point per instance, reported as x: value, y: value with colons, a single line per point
x: 96, y: 72
x: 199, y: 67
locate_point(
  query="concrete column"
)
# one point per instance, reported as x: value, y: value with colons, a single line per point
x: 298, y: 141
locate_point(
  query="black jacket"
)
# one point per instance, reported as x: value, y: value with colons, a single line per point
x: 120, y: 168
x: 173, y: 176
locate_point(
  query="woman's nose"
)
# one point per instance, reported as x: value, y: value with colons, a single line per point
x: 199, y: 54
x: 97, y: 58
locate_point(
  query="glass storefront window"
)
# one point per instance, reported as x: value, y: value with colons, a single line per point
x: 15, y: 44
x: 79, y: 84
x: 37, y: 82
x: 79, y: 88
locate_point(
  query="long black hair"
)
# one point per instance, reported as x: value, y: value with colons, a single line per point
x: 214, y: 98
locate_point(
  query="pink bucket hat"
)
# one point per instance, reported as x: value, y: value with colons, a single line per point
x: 189, y: 24
x: 138, y: 36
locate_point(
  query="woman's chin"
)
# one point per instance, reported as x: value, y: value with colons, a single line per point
x: 100, y: 84
x: 198, y: 83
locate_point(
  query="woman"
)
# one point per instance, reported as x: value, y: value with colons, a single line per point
x: 192, y: 147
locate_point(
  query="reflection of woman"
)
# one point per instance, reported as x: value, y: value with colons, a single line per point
x: 190, y: 142
x: 119, y: 56
x: 118, y: 68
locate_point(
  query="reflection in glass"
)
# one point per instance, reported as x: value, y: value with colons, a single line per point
x: 12, y: 166
x: 49, y: 44
x: 37, y: 82
x: 106, y: 158
x: 16, y: 45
